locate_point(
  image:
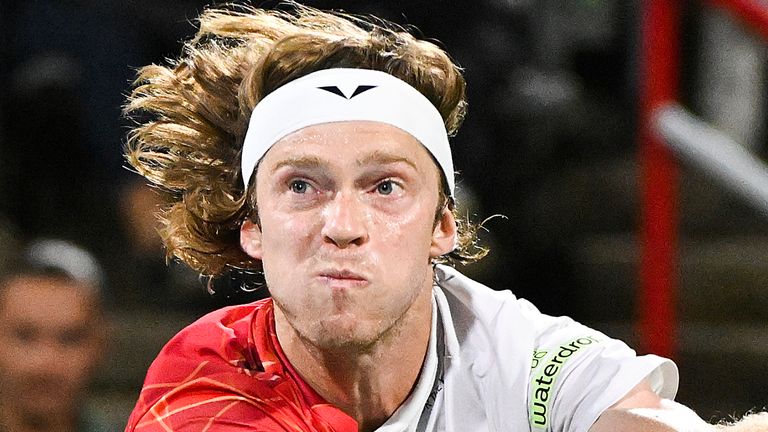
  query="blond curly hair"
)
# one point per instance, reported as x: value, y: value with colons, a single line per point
x: 191, y: 116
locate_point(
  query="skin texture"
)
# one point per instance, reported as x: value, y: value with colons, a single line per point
x: 50, y: 343
x: 346, y: 233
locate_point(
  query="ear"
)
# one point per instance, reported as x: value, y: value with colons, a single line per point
x: 250, y: 239
x: 444, y: 234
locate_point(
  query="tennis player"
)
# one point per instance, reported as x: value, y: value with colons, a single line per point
x: 314, y: 147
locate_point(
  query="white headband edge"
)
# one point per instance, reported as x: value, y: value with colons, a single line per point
x: 416, y: 115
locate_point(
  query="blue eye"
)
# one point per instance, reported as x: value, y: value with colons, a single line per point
x: 299, y: 186
x: 385, y: 188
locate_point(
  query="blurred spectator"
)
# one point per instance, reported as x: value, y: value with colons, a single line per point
x: 52, y: 335
x: 65, y: 65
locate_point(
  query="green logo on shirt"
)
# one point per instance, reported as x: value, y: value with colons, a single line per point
x: 546, y: 378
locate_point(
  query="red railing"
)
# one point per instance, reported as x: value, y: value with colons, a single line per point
x: 754, y: 13
x: 659, y: 84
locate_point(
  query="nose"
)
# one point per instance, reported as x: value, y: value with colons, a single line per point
x: 345, y: 221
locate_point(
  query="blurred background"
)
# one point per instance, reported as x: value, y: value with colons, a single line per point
x: 551, y: 142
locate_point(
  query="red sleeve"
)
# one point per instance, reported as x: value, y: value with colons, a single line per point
x: 224, y: 403
x: 209, y: 378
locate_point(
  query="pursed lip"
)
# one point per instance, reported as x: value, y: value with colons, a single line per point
x: 343, y: 276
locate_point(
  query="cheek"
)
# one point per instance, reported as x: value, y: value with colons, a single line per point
x: 413, y: 228
x: 80, y: 362
x: 288, y: 235
x: 10, y: 359
x: 14, y: 352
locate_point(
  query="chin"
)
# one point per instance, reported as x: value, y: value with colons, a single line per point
x: 345, y: 345
x: 345, y: 335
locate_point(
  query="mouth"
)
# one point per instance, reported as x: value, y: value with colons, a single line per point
x: 342, y: 278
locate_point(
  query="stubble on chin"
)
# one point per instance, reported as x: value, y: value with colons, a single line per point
x: 341, y: 330
x: 341, y: 333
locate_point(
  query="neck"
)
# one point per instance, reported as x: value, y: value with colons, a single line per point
x: 368, y: 384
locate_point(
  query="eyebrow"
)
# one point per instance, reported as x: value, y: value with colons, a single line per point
x: 298, y: 162
x: 377, y: 157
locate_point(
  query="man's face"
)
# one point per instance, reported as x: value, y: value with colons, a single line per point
x: 48, y: 345
x: 347, y: 229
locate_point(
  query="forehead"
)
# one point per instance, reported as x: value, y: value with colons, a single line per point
x: 352, y: 142
x: 49, y: 302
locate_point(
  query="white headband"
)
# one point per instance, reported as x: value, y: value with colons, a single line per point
x: 333, y: 95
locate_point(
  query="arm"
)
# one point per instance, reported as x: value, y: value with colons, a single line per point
x: 642, y: 410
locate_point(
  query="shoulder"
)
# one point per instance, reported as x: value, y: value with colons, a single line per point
x: 476, y: 305
x: 470, y: 300
x: 477, y: 310
x: 570, y: 371
x: 223, y: 374
x: 220, y: 338
x: 209, y: 364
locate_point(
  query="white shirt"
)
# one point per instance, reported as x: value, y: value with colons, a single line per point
x: 508, y: 367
